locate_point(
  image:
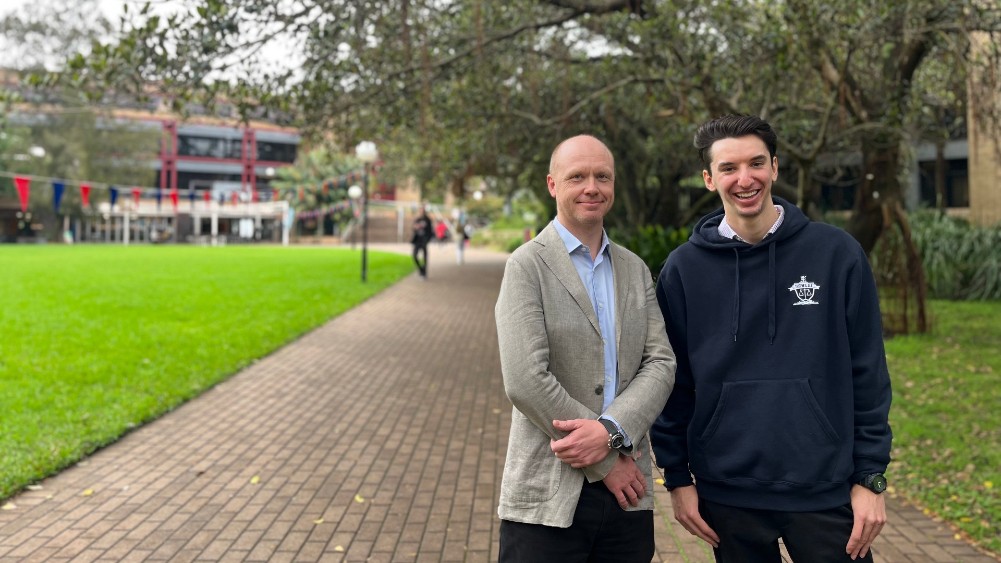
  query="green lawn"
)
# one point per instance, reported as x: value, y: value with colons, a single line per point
x: 99, y: 339
x: 946, y: 418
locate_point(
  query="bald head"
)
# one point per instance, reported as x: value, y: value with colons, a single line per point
x: 586, y: 139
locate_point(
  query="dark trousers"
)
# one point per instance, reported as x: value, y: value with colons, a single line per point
x: 748, y: 535
x: 422, y: 264
x: 601, y: 533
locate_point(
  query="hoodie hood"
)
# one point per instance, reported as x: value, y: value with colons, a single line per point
x: 706, y: 235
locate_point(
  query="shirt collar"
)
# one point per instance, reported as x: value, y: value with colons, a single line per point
x: 573, y: 243
x: 727, y: 232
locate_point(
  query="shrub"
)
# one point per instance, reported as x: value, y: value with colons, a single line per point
x: 961, y: 261
x: 652, y: 243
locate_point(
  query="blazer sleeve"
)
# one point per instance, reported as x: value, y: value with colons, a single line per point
x: 669, y: 433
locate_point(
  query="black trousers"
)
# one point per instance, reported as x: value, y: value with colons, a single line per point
x: 422, y: 264
x: 601, y: 533
x: 748, y: 535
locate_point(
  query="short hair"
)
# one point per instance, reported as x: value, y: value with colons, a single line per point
x: 732, y: 126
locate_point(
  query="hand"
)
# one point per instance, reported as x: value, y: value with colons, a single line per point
x: 870, y: 517
x: 586, y: 442
x: 686, y: 511
x: 626, y: 481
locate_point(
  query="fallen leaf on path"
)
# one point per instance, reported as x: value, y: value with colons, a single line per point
x: 339, y: 548
x: 255, y: 479
x: 87, y: 492
x: 318, y: 521
x: 9, y: 506
x: 359, y: 498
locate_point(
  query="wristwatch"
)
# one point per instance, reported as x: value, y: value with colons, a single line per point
x: 615, y: 438
x: 875, y: 482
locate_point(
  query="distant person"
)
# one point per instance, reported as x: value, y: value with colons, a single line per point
x: 423, y: 232
x: 587, y: 366
x: 461, y: 241
x: 441, y: 232
x: 780, y: 409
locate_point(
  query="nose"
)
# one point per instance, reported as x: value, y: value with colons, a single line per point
x: 744, y: 178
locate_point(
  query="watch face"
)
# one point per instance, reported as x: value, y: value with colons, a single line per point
x: 616, y: 441
x: 876, y: 483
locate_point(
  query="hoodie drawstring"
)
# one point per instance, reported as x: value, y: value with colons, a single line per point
x: 771, y: 293
x: 736, y: 295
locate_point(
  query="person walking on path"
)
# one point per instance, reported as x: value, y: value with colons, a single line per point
x: 782, y: 396
x: 587, y: 366
x: 423, y: 232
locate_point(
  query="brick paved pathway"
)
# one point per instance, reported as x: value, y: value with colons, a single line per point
x: 378, y: 437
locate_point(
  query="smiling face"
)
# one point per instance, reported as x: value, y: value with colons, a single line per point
x: 582, y: 181
x: 742, y: 173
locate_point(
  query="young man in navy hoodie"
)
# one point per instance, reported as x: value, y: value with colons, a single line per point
x: 779, y: 409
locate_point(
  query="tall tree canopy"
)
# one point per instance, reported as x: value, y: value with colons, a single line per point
x: 457, y: 88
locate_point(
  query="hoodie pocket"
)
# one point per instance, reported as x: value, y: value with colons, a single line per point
x: 770, y: 431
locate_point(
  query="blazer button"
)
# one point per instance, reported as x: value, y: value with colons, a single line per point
x: 599, y: 390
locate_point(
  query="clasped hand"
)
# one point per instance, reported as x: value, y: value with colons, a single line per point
x: 586, y: 443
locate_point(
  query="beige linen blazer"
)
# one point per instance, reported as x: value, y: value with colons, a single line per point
x: 552, y: 362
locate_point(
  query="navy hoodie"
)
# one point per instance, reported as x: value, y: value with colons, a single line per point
x: 782, y: 393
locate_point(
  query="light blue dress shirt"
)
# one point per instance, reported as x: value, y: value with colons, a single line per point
x: 599, y: 282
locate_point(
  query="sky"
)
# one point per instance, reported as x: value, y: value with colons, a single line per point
x: 279, y: 55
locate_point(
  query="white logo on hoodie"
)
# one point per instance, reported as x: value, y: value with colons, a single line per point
x: 804, y: 291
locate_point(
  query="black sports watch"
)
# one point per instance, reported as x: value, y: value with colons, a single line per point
x: 615, y: 438
x: 875, y: 482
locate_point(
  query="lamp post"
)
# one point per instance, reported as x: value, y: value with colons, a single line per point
x: 354, y: 192
x: 367, y: 153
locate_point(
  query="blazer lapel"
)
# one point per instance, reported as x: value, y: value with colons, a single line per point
x: 622, y: 290
x: 554, y: 255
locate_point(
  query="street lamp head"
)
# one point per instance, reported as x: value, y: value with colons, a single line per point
x: 37, y: 151
x: 366, y: 152
x: 354, y: 192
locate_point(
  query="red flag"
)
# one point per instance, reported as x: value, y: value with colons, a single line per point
x: 23, y: 191
x: 85, y: 194
x: 173, y: 198
x: 136, y: 194
x: 207, y: 195
x: 235, y: 198
x: 254, y: 197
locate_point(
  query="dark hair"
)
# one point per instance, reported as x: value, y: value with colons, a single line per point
x: 732, y: 126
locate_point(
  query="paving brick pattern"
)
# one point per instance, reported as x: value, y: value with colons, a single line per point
x: 380, y: 436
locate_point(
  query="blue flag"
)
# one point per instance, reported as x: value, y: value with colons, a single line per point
x: 57, y: 195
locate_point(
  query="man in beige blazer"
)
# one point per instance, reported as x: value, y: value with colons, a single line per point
x: 588, y: 367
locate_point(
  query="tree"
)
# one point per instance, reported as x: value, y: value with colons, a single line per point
x: 458, y: 89
x: 315, y: 183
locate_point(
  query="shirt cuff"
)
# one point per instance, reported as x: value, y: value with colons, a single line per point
x: 626, y: 441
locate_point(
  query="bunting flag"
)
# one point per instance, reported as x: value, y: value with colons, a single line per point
x: 113, y: 196
x: 253, y: 196
x: 191, y: 197
x: 136, y: 194
x: 23, y: 191
x: 85, y: 195
x: 57, y: 195
x: 208, y: 197
x: 235, y: 198
x: 159, y: 198
x: 173, y: 198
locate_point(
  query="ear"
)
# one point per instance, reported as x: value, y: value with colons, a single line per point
x: 775, y: 168
x: 551, y: 184
x: 708, y: 179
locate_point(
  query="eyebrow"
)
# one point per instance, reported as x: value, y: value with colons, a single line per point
x: 753, y: 158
